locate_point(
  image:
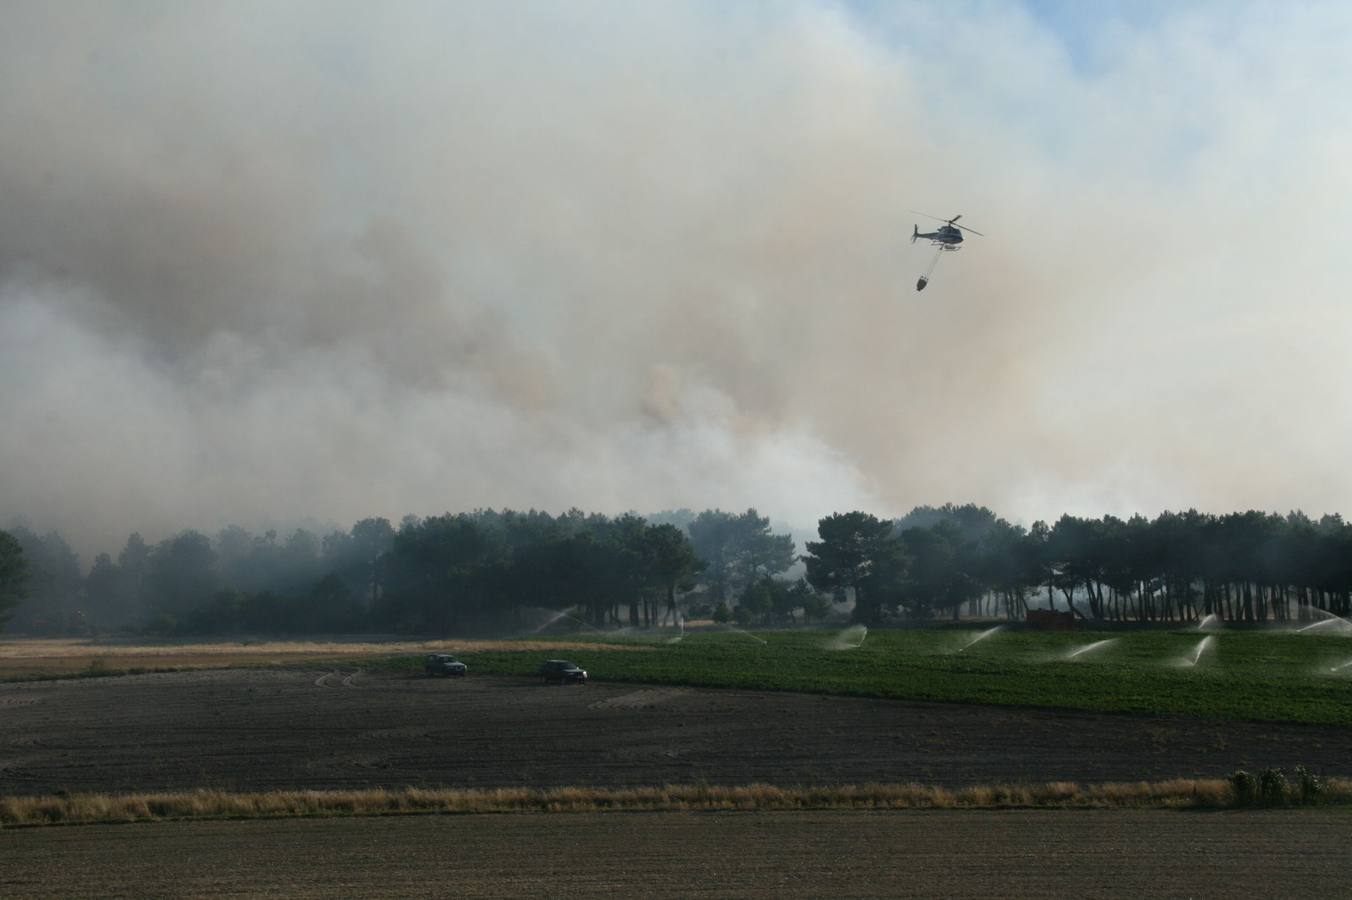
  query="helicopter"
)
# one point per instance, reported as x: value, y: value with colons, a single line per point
x: 946, y: 237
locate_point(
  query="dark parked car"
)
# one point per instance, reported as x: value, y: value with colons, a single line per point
x: 561, y: 671
x: 444, y: 664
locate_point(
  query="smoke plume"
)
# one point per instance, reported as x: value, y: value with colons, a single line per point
x: 339, y: 259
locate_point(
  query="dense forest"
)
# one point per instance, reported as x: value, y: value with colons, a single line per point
x: 495, y: 572
x: 478, y: 572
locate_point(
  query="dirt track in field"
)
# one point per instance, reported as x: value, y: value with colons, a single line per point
x: 1087, y: 853
x: 341, y: 728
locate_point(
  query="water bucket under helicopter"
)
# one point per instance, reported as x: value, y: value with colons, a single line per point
x: 924, y: 278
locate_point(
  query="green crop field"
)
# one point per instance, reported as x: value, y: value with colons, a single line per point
x: 1244, y: 675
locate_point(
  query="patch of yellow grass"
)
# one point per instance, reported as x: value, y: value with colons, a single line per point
x: 216, y: 804
x: 54, y: 656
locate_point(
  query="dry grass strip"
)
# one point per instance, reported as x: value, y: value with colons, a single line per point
x: 216, y: 804
x: 35, y: 658
x: 113, y: 648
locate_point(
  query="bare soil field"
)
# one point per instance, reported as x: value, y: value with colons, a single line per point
x: 1119, y: 853
x: 265, y: 729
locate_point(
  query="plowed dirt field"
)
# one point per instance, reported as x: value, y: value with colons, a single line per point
x: 1086, y: 853
x: 250, y: 729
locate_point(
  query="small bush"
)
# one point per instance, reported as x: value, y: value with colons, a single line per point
x: 1309, y: 787
x: 1273, y: 787
x: 1246, y: 787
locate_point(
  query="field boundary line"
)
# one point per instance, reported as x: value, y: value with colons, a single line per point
x: 1177, y: 794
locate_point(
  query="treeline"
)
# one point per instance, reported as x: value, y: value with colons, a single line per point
x: 490, y: 571
x: 1178, y: 567
x: 483, y: 571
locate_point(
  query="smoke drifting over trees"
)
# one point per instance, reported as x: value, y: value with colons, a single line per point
x: 488, y: 572
x: 454, y: 573
x: 336, y: 259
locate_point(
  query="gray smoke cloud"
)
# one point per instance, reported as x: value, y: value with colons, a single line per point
x: 261, y: 261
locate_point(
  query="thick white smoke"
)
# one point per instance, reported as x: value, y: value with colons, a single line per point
x: 260, y: 261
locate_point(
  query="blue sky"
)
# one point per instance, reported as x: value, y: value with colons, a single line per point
x: 1078, y: 22
x: 1078, y: 25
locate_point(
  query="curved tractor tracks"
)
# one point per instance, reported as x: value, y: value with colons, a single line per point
x: 336, y: 678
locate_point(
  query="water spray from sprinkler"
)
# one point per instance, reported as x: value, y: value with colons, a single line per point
x: 560, y: 616
x: 550, y: 621
x: 851, y: 638
x: 1202, y: 645
x: 745, y: 632
x: 980, y: 637
x: 1090, y: 648
x: 1343, y: 624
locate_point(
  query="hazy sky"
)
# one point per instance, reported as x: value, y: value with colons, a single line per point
x: 264, y: 261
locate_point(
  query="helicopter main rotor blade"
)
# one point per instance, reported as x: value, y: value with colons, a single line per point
x: 948, y: 221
